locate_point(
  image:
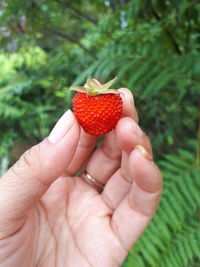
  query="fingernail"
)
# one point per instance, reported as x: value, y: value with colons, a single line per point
x: 144, y: 152
x: 61, y: 128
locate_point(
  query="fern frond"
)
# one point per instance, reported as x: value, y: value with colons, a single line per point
x: 173, y: 236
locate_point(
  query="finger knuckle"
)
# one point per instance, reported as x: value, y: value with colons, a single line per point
x: 31, y: 159
x: 30, y: 156
x: 128, y: 94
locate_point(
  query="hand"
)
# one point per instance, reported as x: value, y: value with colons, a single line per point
x: 49, y: 217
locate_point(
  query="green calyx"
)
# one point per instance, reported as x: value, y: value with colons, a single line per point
x: 94, y: 87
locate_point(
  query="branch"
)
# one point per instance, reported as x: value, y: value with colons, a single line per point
x: 72, y: 40
x: 78, y: 12
x: 83, y: 15
x: 169, y: 34
x: 198, y: 140
x: 198, y: 148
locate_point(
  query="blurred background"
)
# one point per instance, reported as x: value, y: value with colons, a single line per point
x: 153, y: 47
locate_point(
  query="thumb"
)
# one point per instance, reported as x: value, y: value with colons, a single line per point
x: 26, y: 182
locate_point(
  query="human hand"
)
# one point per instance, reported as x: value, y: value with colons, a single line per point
x: 49, y: 217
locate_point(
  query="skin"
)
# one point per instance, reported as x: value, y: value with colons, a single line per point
x: 51, y: 217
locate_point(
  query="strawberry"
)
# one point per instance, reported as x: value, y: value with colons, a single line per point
x: 96, y: 107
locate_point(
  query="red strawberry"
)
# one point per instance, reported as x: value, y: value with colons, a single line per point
x: 96, y: 107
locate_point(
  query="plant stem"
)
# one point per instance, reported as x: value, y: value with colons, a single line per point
x: 198, y: 135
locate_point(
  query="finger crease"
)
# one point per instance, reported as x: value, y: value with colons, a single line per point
x: 108, y: 202
x: 117, y: 235
x: 116, y: 156
x: 132, y: 206
x: 124, y: 176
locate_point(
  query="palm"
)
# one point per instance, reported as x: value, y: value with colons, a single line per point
x: 50, y: 221
x: 70, y: 228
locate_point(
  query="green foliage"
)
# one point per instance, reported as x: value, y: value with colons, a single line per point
x: 173, y: 236
x: 153, y: 47
x: 159, y: 65
x: 28, y: 98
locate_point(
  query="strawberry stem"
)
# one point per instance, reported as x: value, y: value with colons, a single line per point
x: 94, y: 87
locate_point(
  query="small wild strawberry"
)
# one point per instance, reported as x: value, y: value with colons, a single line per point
x: 96, y: 107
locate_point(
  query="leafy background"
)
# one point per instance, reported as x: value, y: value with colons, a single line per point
x: 153, y: 47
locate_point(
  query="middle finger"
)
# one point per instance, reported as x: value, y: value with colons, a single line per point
x: 107, y: 158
